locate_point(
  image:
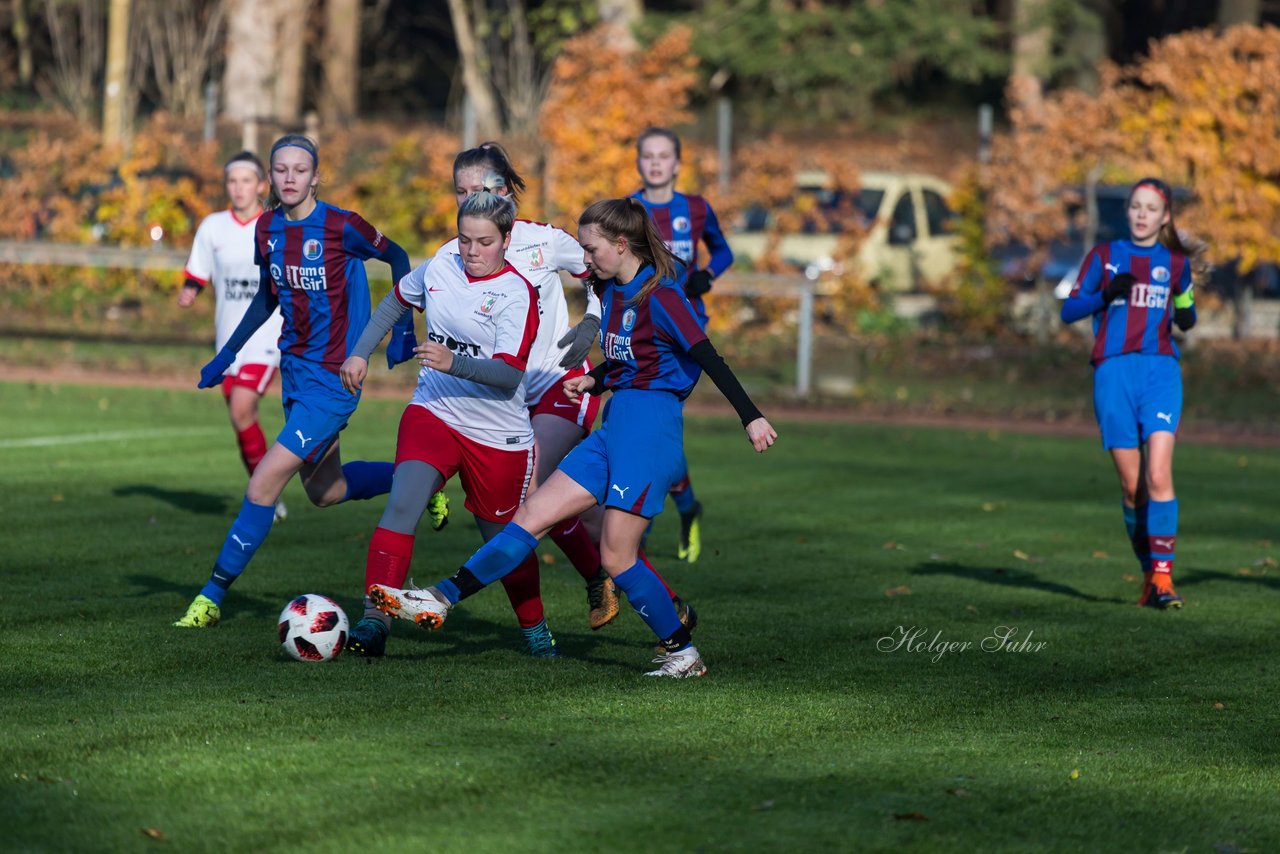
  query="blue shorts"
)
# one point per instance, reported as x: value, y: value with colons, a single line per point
x: 316, y: 407
x: 1135, y: 395
x: 637, y: 456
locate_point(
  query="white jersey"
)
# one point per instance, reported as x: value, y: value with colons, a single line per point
x: 495, y: 317
x: 223, y: 253
x: 539, y: 252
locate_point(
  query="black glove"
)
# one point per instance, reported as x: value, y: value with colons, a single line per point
x: 698, y: 283
x: 1185, y: 318
x: 1119, y: 286
x: 579, y: 340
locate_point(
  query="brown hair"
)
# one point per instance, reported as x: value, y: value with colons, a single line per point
x: 628, y: 218
x: 665, y: 133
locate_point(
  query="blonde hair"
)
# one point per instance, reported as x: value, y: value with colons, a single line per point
x: 489, y: 204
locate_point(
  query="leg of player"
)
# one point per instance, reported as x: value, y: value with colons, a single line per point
x: 558, y: 499
x: 328, y: 481
x: 1162, y: 519
x: 556, y: 437
x: 523, y: 586
x: 690, y: 508
x: 250, y: 528
x: 391, y: 550
x: 619, y: 548
x: 1128, y: 463
x: 242, y: 408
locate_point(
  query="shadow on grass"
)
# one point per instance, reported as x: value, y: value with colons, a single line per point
x: 237, y: 604
x: 1007, y: 578
x: 199, y: 503
x: 1193, y: 577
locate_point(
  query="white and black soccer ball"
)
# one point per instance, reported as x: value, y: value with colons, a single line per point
x: 313, y: 628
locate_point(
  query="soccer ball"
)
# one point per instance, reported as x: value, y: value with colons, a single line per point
x: 313, y: 628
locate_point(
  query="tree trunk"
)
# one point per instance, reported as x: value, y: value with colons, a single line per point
x: 1088, y: 46
x: 1232, y: 12
x: 22, y: 36
x: 341, y: 61
x: 1032, y: 44
x: 250, y: 51
x: 475, y: 77
x: 291, y: 58
x: 621, y: 18
x: 116, y: 92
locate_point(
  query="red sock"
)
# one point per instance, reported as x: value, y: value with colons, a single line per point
x: 644, y: 558
x: 572, y: 538
x: 524, y: 590
x: 389, y: 557
x: 253, y: 445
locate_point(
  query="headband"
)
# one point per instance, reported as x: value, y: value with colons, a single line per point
x: 1154, y: 186
x: 244, y: 161
x: 297, y: 141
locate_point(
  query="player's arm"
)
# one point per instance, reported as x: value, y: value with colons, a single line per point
x: 721, y: 255
x: 517, y: 326
x: 1184, y: 300
x: 392, y: 312
x: 260, y: 308
x: 1086, y: 297
x: 199, y: 268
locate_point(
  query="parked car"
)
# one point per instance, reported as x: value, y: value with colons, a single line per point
x: 906, y: 214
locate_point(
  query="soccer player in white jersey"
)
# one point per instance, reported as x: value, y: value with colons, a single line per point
x: 469, y: 415
x: 222, y: 254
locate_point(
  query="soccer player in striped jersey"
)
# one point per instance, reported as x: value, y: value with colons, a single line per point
x: 222, y: 254
x: 468, y: 415
x: 1135, y: 290
x: 684, y: 222
x: 311, y: 255
x: 654, y: 349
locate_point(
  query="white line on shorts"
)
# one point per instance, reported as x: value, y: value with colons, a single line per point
x: 111, y: 436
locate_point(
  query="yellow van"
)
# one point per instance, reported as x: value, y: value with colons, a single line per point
x: 909, y: 241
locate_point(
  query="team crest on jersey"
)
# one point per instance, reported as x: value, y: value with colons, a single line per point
x: 536, y: 258
x: 628, y: 319
x: 311, y: 250
x: 277, y: 273
x: 487, y: 305
x: 680, y: 223
x: 1160, y: 274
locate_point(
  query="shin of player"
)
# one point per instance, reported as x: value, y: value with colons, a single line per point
x: 1135, y: 291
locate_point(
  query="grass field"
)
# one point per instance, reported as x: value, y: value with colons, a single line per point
x: 1125, y: 730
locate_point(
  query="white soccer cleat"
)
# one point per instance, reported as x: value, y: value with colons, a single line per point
x: 685, y: 664
x: 426, y: 608
x: 282, y: 512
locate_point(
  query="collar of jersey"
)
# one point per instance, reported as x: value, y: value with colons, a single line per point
x: 1135, y: 249
x: 238, y: 221
x: 471, y: 280
x: 642, y: 275
x: 318, y: 210
x: 639, y: 194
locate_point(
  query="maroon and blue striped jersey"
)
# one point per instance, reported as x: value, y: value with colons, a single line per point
x: 316, y: 271
x: 1142, y: 322
x: 646, y: 344
x: 684, y: 223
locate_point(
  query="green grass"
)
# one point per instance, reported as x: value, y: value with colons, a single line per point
x: 803, y: 737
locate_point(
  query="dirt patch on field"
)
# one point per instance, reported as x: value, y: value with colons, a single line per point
x: 1201, y: 434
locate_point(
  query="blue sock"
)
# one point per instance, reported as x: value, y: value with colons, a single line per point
x: 367, y: 480
x: 495, y: 559
x: 250, y: 528
x: 1162, y: 523
x: 647, y: 595
x: 682, y: 492
x: 1135, y: 522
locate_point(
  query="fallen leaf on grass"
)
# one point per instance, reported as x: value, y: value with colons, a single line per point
x: 910, y: 816
x: 1219, y: 706
x: 1100, y: 554
x: 971, y: 609
x: 959, y: 793
x: 988, y: 506
x: 1266, y: 561
x: 153, y: 833
x: 549, y: 559
x: 900, y: 590
x: 1244, y: 570
x: 892, y: 546
x: 1130, y: 579
x: 767, y: 805
x: 1021, y: 555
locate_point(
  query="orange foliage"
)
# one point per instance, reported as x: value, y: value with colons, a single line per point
x: 598, y: 102
x: 1202, y: 109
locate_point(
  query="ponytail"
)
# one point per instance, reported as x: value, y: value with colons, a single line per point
x: 492, y: 157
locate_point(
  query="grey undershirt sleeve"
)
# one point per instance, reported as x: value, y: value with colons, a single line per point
x: 493, y: 372
x: 385, y: 316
